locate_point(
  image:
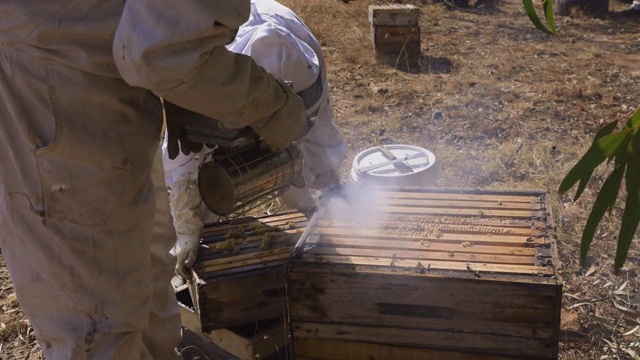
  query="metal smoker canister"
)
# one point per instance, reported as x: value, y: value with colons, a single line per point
x: 235, y: 180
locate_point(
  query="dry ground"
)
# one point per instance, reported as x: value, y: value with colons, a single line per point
x: 503, y: 106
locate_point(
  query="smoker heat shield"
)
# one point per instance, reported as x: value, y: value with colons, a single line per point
x: 232, y: 181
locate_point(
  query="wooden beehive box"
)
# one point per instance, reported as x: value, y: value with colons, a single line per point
x: 395, y: 32
x: 414, y: 273
x: 240, y: 272
x: 253, y: 341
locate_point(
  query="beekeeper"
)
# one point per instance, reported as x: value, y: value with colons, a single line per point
x: 79, y: 133
x: 278, y: 40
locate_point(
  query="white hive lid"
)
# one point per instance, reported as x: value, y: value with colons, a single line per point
x: 393, y: 160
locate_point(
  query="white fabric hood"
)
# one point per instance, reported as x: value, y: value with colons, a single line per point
x: 275, y: 48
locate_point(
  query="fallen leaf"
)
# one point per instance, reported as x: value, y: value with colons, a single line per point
x: 569, y: 320
x: 591, y: 270
x: 632, y: 330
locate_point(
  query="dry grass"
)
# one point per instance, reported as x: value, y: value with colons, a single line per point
x: 16, y: 335
x: 502, y: 106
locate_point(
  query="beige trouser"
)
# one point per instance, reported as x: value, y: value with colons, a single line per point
x: 77, y: 211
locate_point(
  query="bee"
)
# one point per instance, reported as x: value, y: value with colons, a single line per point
x: 266, y: 241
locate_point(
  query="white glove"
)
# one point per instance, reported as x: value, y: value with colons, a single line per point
x: 300, y: 199
x: 186, y: 252
x: 186, y: 208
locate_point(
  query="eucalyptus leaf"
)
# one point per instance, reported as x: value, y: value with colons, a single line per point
x: 605, y: 200
x: 631, y: 215
x: 599, y: 151
x: 605, y: 130
x: 533, y: 16
x: 547, y: 5
x: 583, y: 184
x: 634, y: 121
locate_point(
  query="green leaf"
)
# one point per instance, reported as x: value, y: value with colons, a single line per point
x: 533, y: 16
x: 620, y: 162
x: 605, y: 130
x: 605, y: 200
x: 634, y: 122
x: 629, y: 225
x: 631, y: 215
x: 547, y: 5
x: 601, y: 150
x: 582, y: 185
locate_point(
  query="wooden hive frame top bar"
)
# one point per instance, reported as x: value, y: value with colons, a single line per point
x: 245, y: 244
x: 468, y: 232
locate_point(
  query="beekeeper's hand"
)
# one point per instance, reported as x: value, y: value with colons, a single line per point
x: 286, y: 125
x: 176, y: 133
x: 186, y: 252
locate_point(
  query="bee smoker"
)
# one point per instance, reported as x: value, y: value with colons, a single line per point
x: 231, y: 182
x: 239, y: 172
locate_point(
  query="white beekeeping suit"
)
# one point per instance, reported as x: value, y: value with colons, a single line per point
x: 79, y: 132
x: 278, y: 40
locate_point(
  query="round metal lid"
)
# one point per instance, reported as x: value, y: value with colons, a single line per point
x: 393, y: 160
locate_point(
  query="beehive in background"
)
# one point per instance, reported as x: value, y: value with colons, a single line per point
x: 395, y: 32
x: 427, y: 273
